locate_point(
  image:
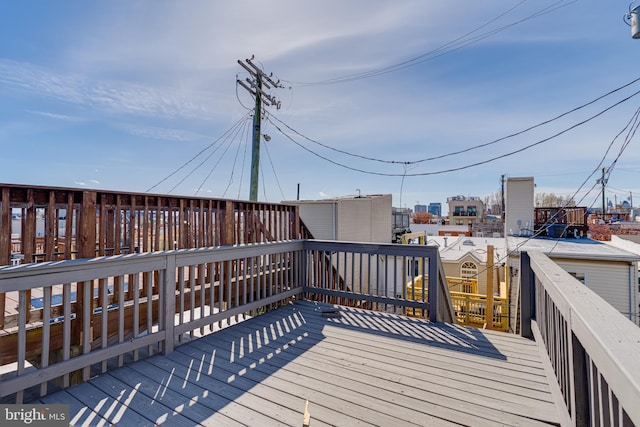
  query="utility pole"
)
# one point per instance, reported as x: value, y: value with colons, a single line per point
x: 258, y: 80
x: 502, y: 197
x: 602, y: 181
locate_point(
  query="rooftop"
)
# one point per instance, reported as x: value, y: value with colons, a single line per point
x: 457, y: 247
x: 580, y: 248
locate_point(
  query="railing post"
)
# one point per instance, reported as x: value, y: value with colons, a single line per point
x: 527, y: 295
x: 227, y: 236
x: 86, y: 249
x: 434, y: 281
x: 168, y: 303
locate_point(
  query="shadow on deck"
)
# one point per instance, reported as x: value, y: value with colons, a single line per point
x: 362, y: 368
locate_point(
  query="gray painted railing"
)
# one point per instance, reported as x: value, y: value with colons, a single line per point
x: 376, y: 276
x: 593, y: 349
x: 136, y: 305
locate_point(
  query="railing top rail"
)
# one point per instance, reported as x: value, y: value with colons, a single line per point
x: 610, y: 339
x: 373, y: 248
x: 46, y: 189
x: 28, y: 276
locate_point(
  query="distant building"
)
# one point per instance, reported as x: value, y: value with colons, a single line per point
x: 435, y: 209
x: 420, y: 208
x: 610, y: 271
x: 465, y: 210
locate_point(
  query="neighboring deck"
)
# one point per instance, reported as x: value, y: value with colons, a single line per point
x: 363, y: 368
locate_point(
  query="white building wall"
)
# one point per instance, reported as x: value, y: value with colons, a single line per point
x: 519, y: 206
x: 365, y: 219
x: 321, y: 218
x: 631, y: 244
x: 600, y: 276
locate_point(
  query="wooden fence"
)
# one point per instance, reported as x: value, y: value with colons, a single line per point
x: 50, y: 224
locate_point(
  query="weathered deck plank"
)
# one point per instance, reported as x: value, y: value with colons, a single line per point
x: 362, y: 368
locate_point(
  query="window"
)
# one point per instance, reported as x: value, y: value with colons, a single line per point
x: 471, y: 211
x: 579, y: 276
x: 468, y: 270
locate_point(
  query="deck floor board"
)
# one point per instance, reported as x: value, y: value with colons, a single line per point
x: 362, y: 368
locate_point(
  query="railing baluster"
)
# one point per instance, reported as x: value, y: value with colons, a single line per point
x: 201, y: 277
x: 136, y: 311
x: 147, y: 284
x: 22, y: 338
x: 104, y: 316
x: 46, y: 333
x: 121, y: 316
x: 181, y: 280
x: 66, y: 335
x: 87, y: 313
x: 192, y: 296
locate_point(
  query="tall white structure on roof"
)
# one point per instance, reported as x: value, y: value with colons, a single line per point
x: 362, y: 218
x: 519, y: 207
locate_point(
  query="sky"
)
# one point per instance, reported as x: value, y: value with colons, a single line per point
x: 423, y: 100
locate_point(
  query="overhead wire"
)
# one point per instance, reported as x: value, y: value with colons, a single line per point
x: 220, y: 138
x: 235, y: 159
x: 266, y: 149
x: 630, y: 127
x: 475, y: 147
x: 244, y: 162
x: 229, y: 143
x: 463, y: 167
x: 435, y: 53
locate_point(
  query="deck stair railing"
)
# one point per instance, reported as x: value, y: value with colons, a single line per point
x: 594, y: 351
x: 136, y: 305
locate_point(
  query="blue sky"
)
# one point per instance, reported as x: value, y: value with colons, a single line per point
x: 118, y: 95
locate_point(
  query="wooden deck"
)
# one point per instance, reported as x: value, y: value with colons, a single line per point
x: 362, y: 368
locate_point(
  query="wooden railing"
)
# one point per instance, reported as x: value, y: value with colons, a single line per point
x: 593, y: 349
x: 462, y: 284
x: 372, y: 276
x: 136, y: 305
x: 39, y: 224
x: 471, y: 310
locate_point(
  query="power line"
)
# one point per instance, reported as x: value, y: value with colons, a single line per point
x: 235, y: 159
x: 243, y: 119
x: 475, y: 147
x: 266, y: 149
x: 467, y: 166
x: 455, y: 44
x: 230, y: 141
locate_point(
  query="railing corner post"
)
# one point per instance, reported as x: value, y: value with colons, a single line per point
x: 434, y: 281
x: 527, y: 295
